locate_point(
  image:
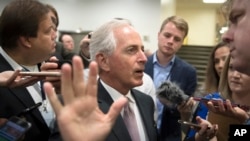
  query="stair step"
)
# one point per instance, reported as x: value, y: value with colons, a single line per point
x: 198, y: 57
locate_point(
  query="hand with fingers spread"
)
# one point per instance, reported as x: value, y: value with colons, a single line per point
x: 80, y: 117
x: 13, y: 79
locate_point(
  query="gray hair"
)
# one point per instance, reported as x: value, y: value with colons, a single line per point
x: 103, y: 40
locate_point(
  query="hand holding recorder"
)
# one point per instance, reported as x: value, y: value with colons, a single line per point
x: 54, y: 67
x: 205, y: 130
x: 13, y: 79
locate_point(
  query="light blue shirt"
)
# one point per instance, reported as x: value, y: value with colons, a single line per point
x: 161, y: 74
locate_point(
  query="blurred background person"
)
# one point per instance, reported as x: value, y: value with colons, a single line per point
x: 214, y: 67
x: 61, y: 53
x: 84, y: 50
x: 68, y: 42
x: 234, y: 86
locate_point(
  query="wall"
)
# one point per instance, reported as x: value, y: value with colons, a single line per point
x: 168, y: 8
x: 146, y: 16
x: 89, y: 14
x: 202, y: 25
x: 202, y: 19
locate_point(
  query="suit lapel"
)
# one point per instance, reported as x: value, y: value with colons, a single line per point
x: 149, y: 67
x: 143, y: 109
x: 176, y: 70
x: 25, y: 98
x: 105, y: 101
x: 21, y: 93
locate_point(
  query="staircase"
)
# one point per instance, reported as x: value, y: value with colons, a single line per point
x: 198, y: 57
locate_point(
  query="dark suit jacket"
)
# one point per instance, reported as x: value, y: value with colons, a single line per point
x: 185, y: 76
x: 61, y: 53
x: 14, y: 100
x: 146, y: 107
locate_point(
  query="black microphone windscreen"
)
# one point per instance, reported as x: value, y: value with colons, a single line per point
x: 170, y: 93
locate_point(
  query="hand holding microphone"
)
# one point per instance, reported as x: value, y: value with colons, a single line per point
x: 169, y: 93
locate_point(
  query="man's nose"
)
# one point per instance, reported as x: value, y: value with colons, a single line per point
x: 227, y: 37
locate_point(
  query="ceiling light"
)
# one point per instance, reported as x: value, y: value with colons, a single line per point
x: 214, y: 1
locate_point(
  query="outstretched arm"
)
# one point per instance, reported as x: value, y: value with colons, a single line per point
x: 228, y: 109
x: 80, y: 117
x: 13, y: 79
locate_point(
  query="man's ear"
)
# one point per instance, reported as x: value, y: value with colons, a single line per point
x: 25, y: 41
x: 103, y: 61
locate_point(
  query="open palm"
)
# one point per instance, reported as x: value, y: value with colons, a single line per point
x: 80, y: 117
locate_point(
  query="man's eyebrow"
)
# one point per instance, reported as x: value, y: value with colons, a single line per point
x: 54, y: 20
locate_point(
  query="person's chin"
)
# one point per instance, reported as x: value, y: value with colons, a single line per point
x: 241, y: 66
x: 138, y: 83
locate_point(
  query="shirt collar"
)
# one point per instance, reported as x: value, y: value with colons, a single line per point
x: 115, y: 95
x: 12, y: 62
x: 155, y: 60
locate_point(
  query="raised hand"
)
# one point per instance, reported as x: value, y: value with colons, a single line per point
x: 80, y: 117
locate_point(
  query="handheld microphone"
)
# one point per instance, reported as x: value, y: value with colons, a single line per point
x: 170, y: 93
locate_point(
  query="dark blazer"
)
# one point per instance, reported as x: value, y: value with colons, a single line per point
x: 14, y: 100
x: 146, y: 107
x: 185, y: 76
x: 61, y: 53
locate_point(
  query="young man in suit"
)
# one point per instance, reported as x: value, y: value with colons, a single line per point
x: 164, y: 65
x: 27, y: 38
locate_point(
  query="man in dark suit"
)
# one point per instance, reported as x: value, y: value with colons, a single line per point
x: 164, y: 65
x: 84, y: 50
x: 26, y: 40
x: 118, y: 50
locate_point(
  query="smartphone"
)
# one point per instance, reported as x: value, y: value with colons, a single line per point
x: 41, y: 73
x: 189, y: 124
x: 205, y: 100
x: 14, y: 129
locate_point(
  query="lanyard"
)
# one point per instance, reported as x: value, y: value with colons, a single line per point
x: 41, y: 83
